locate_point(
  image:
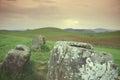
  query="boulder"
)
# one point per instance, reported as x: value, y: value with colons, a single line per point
x: 37, y: 42
x: 78, y: 61
x: 16, y: 59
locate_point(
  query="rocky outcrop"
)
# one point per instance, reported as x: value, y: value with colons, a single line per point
x: 78, y: 61
x: 37, y: 42
x: 16, y: 59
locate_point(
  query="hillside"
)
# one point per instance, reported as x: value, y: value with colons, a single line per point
x: 97, y: 30
x: 109, y: 39
x: 52, y: 32
x: 48, y: 32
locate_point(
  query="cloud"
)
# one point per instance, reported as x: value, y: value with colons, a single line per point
x: 20, y: 3
x: 71, y: 22
x: 60, y: 12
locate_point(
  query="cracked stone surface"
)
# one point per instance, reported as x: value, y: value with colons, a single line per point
x: 78, y: 61
x: 16, y: 59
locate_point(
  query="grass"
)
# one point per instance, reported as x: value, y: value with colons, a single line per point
x: 37, y: 67
x: 8, y: 42
x: 109, y: 39
x: 56, y: 32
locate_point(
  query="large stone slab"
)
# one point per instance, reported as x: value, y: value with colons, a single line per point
x: 16, y: 59
x: 78, y: 61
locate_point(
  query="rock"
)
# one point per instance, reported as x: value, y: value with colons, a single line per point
x: 78, y: 61
x: 16, y: 59
x: 37, y: 42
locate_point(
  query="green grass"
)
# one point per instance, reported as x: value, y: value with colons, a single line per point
x: 109, y: 39
x: 48, y: 32
x: 54, y: 32
x: 9, y: 42
x: 37, y: 67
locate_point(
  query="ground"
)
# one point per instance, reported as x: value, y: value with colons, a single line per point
x: 37, y: 67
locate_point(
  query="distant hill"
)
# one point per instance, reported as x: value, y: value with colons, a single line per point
x: 48, y: 32
x: 51, y: 32
x: 102, y: 30
x: 110, y: 39
x: 97, y: 30
x: 80, y: 30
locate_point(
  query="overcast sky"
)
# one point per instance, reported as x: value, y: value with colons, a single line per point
x: 87, y: 14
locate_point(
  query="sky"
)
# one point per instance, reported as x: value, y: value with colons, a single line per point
x: 77, y: 14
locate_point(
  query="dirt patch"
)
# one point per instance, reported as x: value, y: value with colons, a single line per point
x: 40, y: 68
x: 109, y: 42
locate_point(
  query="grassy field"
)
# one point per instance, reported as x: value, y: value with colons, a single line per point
x: 37, y: 67
x: 110, y: 39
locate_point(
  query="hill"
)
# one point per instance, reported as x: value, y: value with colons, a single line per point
x: 52, y: 32
x: 109, y: 39
x: 97, y: 30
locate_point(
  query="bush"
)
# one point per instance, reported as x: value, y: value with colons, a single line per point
x: 45, y: 48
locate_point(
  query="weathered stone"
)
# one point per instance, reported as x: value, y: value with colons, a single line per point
x: 16, y: 59
x: 37, y: 42
x: 78, y: 61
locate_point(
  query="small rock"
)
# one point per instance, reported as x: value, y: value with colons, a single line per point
x: 16, y: 59
x: 37, y: 42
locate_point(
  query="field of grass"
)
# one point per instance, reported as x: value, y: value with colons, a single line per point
x: 110, y: 39
x: 37, y: 67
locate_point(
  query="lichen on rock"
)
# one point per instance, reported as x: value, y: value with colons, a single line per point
x: 78, y: 61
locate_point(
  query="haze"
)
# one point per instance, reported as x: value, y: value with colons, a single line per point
x: 78, y: 14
